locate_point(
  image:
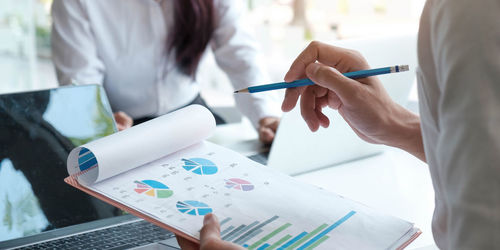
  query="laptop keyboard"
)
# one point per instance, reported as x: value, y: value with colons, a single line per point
x: 260, y: 158
x: 120, y: 237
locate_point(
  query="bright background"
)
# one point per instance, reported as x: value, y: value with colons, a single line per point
x: 282, y: 27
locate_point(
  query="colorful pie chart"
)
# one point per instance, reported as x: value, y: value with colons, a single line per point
x: 239, y: 184
x: 193, y: 207
x: 153, y: 188
x: 200, y: 166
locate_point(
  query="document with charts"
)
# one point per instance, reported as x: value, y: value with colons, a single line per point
x: 164, y: 171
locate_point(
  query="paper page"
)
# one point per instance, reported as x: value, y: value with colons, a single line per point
x: 133, y: 147
x: 258, y: 207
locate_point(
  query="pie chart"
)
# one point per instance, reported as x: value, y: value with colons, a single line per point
x: 193, y: 207
x: 153, y: 188
x: 239, y: 184
x: 199, y: 166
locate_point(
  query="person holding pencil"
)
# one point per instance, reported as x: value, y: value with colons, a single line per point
x: 457, y: 132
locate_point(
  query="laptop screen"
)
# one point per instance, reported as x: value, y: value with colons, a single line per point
x: 37, y: 131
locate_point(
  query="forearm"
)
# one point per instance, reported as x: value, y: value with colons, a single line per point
x: 407, y: 134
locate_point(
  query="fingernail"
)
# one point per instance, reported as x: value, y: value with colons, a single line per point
x: 312, y: 68
x: 207, y: 218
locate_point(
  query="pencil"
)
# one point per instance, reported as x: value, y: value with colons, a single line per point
x: 306, y: 81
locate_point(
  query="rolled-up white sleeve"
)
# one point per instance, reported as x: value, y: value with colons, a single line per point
x: 466, y: 48
x: 236, y: 54
x: 74, y: 50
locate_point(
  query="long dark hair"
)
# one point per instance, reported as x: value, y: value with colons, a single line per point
x: 194, y: 24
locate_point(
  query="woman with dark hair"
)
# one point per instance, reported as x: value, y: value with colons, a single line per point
x: 146, y: 54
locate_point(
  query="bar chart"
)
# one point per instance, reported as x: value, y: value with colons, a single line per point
x: 86, y: 159
x: 270, y: 234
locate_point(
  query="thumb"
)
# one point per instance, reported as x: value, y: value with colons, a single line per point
x: 211, y: 228
x: 210, y: 235
x: 332, y: 79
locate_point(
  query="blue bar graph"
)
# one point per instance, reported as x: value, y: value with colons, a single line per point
x: 234, y: 233
x: 263, y: 247
x: 238, y: 240
x: 248, y: 227
x: 306, y: 240
x: 250, y: 236
x: 327, y: 230
x: 226, y: 230
x: 296, y: 238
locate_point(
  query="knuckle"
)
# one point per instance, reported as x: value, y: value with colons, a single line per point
x: 358, y: 56
x: 355, y: 53
x: 314, y: 44
x: 261, y: 132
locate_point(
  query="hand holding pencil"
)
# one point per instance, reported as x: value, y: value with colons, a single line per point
x: 363, y: 103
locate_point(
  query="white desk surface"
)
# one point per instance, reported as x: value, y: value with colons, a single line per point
x: 393, y: 182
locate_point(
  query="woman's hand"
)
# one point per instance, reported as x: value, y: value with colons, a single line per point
x: 267, y: 129
x: 363, y: 103
x: 123, y: 121
x: 209, y: 237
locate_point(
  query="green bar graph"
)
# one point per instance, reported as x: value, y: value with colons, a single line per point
x: 279, y: 242
x: 308, y: 236
x: 269, y: 236
x: 315, y: 244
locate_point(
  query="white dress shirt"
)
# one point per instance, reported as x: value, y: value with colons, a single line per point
x: 122, y: 44
x: 459, y: 95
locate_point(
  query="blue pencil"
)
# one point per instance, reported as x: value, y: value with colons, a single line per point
x: 306, y: 81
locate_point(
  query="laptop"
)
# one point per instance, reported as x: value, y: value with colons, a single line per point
x: 297, y: 150
x: 39, y: 210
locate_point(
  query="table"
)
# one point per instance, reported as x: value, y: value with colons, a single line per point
x: 393, y: 182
